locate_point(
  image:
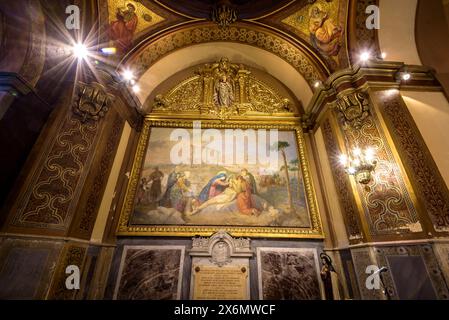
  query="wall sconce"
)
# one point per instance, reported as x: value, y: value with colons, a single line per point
x: 360, y: 164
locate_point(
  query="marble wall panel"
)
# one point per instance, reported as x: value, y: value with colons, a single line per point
x: 150, y: 273
x: 288, y: 274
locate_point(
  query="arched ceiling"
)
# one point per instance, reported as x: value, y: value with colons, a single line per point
x: 174, y: 35
x: 280, y: 27
x: 246, y: 9
x: 212, y: 52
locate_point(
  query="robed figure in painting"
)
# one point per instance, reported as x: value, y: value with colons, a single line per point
x: 245, y: 201
x: 214, y: 187
x: 324, y: 34
x: 122, y: 30
x: 156, y: 187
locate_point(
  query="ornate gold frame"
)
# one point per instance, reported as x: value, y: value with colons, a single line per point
x: 315, y: 231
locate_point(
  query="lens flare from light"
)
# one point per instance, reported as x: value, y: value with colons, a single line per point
x: 136, y: 88
x: 406, y: 76
x: 365, y: 56
x: 128, y: 75
x: 80, y: 51
x: 109, y: 51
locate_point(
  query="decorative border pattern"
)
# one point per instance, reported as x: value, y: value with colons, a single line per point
x: 315, y: 231
x: 238, y: 33
x: 342, y: 184
x: 71, y: 255
x: 363, y: 37
x: 48, y: 200
x: 93, y: 201
x: 386, y: 201
x: 413, y: 151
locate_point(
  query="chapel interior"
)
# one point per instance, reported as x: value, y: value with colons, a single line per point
x: 95, y: 203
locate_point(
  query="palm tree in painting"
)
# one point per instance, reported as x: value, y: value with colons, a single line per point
x: 294, y: 166
x: 281, y: 146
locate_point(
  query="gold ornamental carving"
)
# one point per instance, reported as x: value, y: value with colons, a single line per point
x: 222, y: 89
x: 91, y: 101
x: 354, y: 108
x: 239, y: 33
x: 224, y: 14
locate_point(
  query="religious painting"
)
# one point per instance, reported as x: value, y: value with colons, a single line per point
x: 126, y: 20
x: 319, y: 23
x: 150, y: 273
x: 288, y: 274
x: 196, y: 179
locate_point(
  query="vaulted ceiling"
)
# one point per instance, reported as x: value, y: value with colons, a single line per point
x: 308, y: 35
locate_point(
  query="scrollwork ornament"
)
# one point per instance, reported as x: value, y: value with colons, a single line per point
x: 224, y: 15
x: 91, y: 101
x: 354, y: 108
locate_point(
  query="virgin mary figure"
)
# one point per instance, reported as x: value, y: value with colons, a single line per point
x: 214, y: 187
x: 223, y: 92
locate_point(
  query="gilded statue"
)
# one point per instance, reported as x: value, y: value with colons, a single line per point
x: 224, y: 72
x: 223, y: 92
x: 222, y: 89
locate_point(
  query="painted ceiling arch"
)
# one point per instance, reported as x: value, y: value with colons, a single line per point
x: 308, y: 64
x: 286, y: 28
x: 210, y: 52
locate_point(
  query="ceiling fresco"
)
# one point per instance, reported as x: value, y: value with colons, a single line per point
x: 317, y: 26
x: 320, y: 24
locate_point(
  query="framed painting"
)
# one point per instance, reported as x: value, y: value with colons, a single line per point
x: 194, y: 178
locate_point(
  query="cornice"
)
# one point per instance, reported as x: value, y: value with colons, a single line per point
x: 376, y: 74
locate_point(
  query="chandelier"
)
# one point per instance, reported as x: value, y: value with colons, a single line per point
x: 360, y: 164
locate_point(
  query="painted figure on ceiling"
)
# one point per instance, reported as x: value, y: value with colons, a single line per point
x: 324, y: 34
x: 122, y: 30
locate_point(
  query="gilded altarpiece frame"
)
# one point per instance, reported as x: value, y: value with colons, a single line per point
x: 284, y: 124
x: 246, y: 196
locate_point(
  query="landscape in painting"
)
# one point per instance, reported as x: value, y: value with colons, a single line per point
x: 244, y: 192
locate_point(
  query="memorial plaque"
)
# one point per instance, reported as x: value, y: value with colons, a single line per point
x: 220, y: 283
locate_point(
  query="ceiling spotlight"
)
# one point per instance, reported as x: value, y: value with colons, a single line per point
x: 80, y: 51
x: 317, y: 84
x: 406, y: 76
x: 136, y: 88
x: 365, y: 56
x: 109, y: 51
x: 128, y: 75
x: 383, y: 55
